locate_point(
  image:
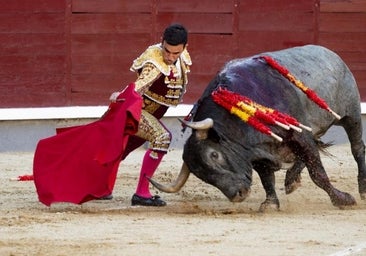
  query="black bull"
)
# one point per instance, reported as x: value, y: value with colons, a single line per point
x: 223, y: 150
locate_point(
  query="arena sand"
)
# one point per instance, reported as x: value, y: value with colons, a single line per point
x: 198, y: 220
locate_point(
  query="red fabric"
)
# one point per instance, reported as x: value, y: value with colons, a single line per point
x: 275, y: 65
x: 25, y: 177
x: 314, y: 97
x: 309, y: 93
x: 80, y: 163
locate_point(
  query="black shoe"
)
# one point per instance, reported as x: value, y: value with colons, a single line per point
x: 107, y: 197
x: 151, y: 201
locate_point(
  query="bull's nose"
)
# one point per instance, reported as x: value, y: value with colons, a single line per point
x: 240, y: 195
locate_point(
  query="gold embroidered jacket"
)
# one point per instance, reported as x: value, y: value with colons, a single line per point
x: 159, y: 82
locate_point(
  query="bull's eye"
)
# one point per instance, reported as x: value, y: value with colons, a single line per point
x: 214, y: 155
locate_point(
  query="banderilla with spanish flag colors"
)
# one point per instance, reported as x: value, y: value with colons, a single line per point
x: 309, y: 93
x: 254, y: 114
x: 246, y: 117
x: 263, y: 113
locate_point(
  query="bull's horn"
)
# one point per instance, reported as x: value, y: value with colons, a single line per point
x: 199, y: 125
x: 177, y: 184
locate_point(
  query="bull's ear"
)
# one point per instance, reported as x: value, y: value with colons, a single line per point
x: 210, y: 133
x: 201, y: 134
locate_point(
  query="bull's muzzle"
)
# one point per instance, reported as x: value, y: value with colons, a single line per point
x: 241, y: 195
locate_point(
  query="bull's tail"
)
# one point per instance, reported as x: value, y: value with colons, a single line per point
x: 322, y: 146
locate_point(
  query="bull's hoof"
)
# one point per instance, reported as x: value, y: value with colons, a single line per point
x: 292, y: 187
x: 272, y: 204
x: 292, y: 184
x: 343, y: 199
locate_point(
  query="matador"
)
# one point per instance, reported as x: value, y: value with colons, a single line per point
x: 161, y: 81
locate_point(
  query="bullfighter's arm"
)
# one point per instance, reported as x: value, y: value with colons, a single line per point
x: 148, y: 75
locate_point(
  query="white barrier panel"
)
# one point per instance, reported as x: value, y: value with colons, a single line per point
x: 73, y: 112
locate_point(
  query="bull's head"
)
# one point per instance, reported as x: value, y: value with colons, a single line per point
x: 207, y: 161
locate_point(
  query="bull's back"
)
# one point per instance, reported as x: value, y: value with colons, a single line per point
x: 317, y: 67
x: 323, y: 71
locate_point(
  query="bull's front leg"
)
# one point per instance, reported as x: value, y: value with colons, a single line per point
x: 268, y: 182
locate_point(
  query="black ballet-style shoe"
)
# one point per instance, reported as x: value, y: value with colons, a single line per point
x: 107, y: 197
x: 150, y: 201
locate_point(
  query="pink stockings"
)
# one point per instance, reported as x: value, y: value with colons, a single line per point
x: 150, y: 163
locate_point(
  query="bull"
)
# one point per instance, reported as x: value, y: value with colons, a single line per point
x: 223, y: 150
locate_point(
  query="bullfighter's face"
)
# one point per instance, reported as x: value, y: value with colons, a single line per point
x: 171, y: 52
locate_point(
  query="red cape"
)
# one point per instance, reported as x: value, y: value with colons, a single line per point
x: 80, y: 163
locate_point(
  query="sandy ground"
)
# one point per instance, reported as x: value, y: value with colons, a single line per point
x: 198, y: 220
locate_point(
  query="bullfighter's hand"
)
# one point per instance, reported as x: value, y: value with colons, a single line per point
x: 114, y: 96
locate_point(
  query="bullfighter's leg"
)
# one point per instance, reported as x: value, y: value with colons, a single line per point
x: 309, y: 154
x: 353, y: 128
x: 159, y: 138
x: 268, y: 182
x: 293, y: 176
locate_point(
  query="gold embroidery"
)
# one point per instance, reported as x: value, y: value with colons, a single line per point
x: 153, y: 66
x: 154, y: 55
x: 174, y: 83
x: 150, y: 106
x: 149, y: 74
x: 163, y: 100
x: 150, y: 129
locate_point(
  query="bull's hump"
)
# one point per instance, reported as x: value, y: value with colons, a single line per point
x: 236, y: 65
x: 253, y: 78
